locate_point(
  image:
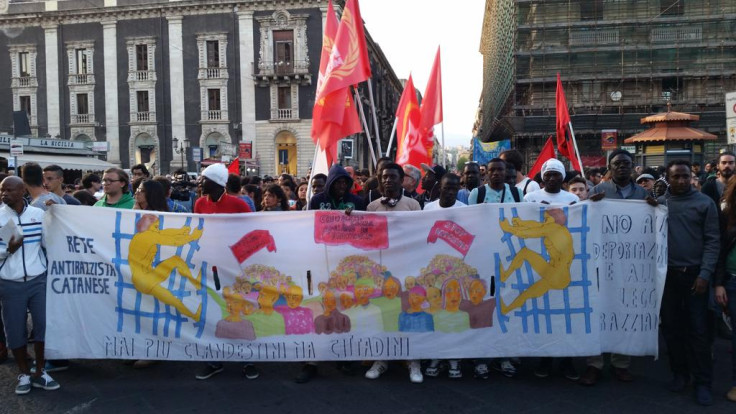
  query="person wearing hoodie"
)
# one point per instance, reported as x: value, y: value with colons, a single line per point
x: 115, y: 186
x: 337, y: 194
x: 693, y: 243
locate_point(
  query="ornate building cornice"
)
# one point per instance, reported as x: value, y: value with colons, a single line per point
x: 150, y: 10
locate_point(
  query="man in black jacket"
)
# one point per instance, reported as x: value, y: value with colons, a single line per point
x: 693, y: 243
x: 337, y: 194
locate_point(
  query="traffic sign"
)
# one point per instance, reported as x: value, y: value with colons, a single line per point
x: 731, y: 105
x: 16, y: 148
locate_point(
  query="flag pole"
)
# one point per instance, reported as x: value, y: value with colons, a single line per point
x: 575, y: 144
x: 311, y: 173
x: 375, y: 117
x: 365, y: 125
x: 391, y: 139
x: 444, y: 154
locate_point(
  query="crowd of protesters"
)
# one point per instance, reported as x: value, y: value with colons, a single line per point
x: 700, y: 290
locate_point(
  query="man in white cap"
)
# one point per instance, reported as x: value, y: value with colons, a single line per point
x: 553, y: 174
x: 214, y: 198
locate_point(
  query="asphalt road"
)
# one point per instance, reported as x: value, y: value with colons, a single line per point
x: 97, y: 386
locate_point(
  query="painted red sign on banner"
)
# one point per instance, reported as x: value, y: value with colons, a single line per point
x: 364, y: 231
x: 252, y: 242
x: 245, y: 150
x: 453, y: 234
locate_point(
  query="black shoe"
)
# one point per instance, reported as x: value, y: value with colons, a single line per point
x: 703, y: 395
x: 679, y: 383
x: 250, y: 371
x: 569, y: 372
x: 544, y: 368
x: 309, y: 371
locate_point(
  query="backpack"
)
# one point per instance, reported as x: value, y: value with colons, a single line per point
x: 482, y: 194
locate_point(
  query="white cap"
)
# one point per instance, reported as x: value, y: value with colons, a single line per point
x: 553, y: 165
x: 217, y: 173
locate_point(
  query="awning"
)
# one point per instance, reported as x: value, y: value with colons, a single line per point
x: 67, y: 162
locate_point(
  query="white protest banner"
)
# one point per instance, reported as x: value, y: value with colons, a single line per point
x: 480, y: 281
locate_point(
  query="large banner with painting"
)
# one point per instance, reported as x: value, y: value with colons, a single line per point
x: 480, y: 281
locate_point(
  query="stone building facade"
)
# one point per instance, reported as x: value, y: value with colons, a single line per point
x: 152, y: 77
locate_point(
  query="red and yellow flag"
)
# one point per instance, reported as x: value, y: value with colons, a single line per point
x: 334, y: 116
x: 348, y: 63
x: 410, y: 149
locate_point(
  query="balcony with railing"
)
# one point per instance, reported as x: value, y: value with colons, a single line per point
x: 212, y: 73
x: 81, y: 79
x: 284, y: 114
x: 82, y: 119
x: 266, y: 72
x: 143, y: 117
x: 24, y: 82
x: 594, y: 37
x: 141, y: 76
x: 214, y: 116
x: 676, y: 34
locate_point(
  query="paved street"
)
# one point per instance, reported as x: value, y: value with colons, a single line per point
x: 110, y: 386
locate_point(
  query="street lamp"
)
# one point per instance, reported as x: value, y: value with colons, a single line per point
x: 181, y: 148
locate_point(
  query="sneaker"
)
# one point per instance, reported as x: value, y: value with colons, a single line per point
x: 569, y: 372
x: 308, y: 372
x: 703, y: 395
x: 45, y: 381
x: 144, y: 363
x: 415, y: 372
x: 505, y: 367
x: 52, y: 366
x: 481, y: 371
x: 378, y: 368
x: 250, y: 371
x: 731, y: 395
x: 454, y: 371
x: 24, y: 384
x: 544, y: 367
x: 208, y: 371
x: 433, y: 369
x: 590, y: 377
x: 623, y: 374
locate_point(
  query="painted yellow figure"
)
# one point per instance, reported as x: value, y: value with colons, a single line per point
x: 434, y: 297
x: 142, y: 251
x: 554, y: 274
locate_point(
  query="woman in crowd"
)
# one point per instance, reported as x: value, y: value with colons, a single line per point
x: 274, y: 199
x: 725, y: 279
x: 301, y: 197
x: 256, y: 194
x: 149, y: 195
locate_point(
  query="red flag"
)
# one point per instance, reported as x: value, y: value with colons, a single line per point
x: 431, y: 108
x: 234, y: 167
x: 334, y: 116
x: 565, y: 145
x: 349, y: 63
x: 548, y: 151
x: 409, y: 147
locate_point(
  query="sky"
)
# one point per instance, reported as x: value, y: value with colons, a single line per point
x: 409, y: 32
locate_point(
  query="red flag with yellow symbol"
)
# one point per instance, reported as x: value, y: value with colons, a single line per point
x: 409, y: 146
x: 348, y: 63
x: 334, y: 116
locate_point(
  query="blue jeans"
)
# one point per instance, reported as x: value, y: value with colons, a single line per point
x: 685, y: 327
x: 731, y: 292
